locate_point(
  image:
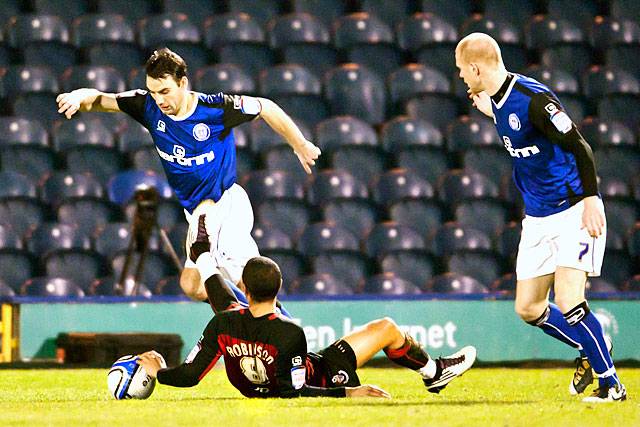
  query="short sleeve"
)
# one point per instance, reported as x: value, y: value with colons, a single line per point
x: 133, y: 102
x: 237, y: 109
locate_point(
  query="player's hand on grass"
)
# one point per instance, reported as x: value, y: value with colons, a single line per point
x: 366, y: 390
x: 593, y: 217
x: 307, y: 153
x: 482, y: 101
x: 151, y: 361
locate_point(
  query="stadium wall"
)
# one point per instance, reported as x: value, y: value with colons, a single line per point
x: 441, y: 325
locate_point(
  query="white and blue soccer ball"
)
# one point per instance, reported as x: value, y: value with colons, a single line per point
x: 128, y: 380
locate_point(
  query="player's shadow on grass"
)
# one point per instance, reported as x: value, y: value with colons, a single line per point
x: 395, y: 403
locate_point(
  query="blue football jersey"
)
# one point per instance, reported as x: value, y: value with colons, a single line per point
x: 198, y: 153
x: 531, y: 121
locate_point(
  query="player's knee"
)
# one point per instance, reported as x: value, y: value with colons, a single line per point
x: 528, y: 312
x: 386, y: 324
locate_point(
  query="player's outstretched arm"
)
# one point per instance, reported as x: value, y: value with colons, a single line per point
x: 86, y: 100
x: 280, y: 122
x: 366, y: 390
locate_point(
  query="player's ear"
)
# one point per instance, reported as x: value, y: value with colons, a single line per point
x: 184, y: 82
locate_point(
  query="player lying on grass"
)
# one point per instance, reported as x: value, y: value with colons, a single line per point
x: 266, y: 354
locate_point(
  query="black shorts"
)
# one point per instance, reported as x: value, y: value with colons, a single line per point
x: 339, y: 365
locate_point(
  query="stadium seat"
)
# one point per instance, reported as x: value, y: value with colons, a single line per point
x: 615, y: 241
x: 9, y: 238
x: 467, y: 132
x: 596, y: 285
x: 484, y: 215
x: 433, y: 108
x: 107, y: 286
x: 602, y: 81
x: 61, y: 185
x: 9, y: 8
x: 16, y: 266
x: 51, y: 287
x: 34, y: 161
x: 81, y: 266
x: 351, y: 267
x: 579, y: 12
x: 503, y: 31
x: 543, y: 32
x: 344, y: 130
x: 609, y: 32
x: 459, y: 185
x: 132, y: 137
x: 291, y: 266
x: 574, y: 59
x: 227, y: 78
x: 632, y: 284
x: 404, y: 132
x: 389, y: 284
x: 273, y: 185
x: 391, y: 13
x: 261, y: 10
x: 505, y: 284
x: 507, y: 239
x: 504, y: 9
x: 625, y: 9
x: 169, y: 286
x: 177, y: 236
x: 297, y: 28
x: 20, y: 130
x: 114, y: 237
x: 621, y: 214
x: 457, y: 284
x: 277, y: 158
x: 197, y: 10
x: 485, y: 267
x: 269, y: 238
x: 387, y: 237
x: 333, y: 184
x: 28, y: 79
x: 82, y: 131
x: 603, y: 134
x: 92, y: 29
x: 145, y: 159
x: 618, y: 162
x: 625, y: 57
x: 50, y: 236
x: 415, y: 158
x: 119, y: 56
x: 100, y: 161
x: 623, y: 108
x: 6, y: 290
x: 617, y: 267
x: 263, y: 138
x: 359, y: 216
x: 424, y: 216
x: 22, y: 214
x: 454, y: 11
x: 37, y: 106
x: 122, y: 186
x: 325, y: 10
x: 423, y: 30
x: 87, y: 214
x: 417, y: 268
x: 351, y: 89
x: 169, y: 212
x: 400, y: 184
x: 415, y: 80
x: 452, y: 237
x: 103, y: 78
x: 324, y: 237
x: 363, y: 162
x: 288, y: 215
x: 511, y: 195
x: 321, y: 285
x: 133, y: 10
x: 156, y: 266
x: 318, y: 57
x: 559, y: 81
x: 612, y: 187
x: 14, y: 184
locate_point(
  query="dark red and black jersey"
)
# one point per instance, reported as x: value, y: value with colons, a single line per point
x: 264, y: 356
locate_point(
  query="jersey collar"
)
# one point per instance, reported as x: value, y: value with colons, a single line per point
x: 503, y: 93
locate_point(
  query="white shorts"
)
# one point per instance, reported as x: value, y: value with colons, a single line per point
x: 229, y: 223
x: 557, y: 241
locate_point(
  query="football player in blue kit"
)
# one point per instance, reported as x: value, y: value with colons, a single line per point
x: 193, y: 136
x: 564, y: 229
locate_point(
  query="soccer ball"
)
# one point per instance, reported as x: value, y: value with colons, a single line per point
x: 128, y: 380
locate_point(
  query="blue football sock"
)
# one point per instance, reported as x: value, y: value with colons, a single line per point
x: 553, y: 323
x: 591, y: 335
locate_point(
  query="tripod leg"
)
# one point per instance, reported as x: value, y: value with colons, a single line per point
x: 169, y: 247
x: 120, y: 285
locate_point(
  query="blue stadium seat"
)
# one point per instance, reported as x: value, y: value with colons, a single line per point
x: 415, y: 80
x: 22, y: 214
x: 321, y: 285
x: 43, y: 39
x: 363, y: 162
x: 297, y: 28
x: 227, y: 78
x: 387, y: 237
x: 270, y: 238
x: 145, y: 159
x: 368, y: 41
x: 424, y: 30
x: 485, y: 267
x: 625, y: 57
x: 510, y: 194
x: 122, y: 186
x: 621, y: 215
x: 82, y: 131
x: 580, y: 12
x: 104, y: 78
x: 21, y: 130
x: 288, y: 215
x: 15, y: 184
x: 504, y: 9
x: 61, y: 185
x: 251, y: 57
x: 615, y: 241
x: 28, y: 79
x: 599, y: 82
x: 318, y: 57
x: 505, y: 284
x: 454, y: 11
x: 263, y: 138
x: 609, y: 32
x: 333, y: 184
x: 169, y: 286
x: 351, y: 89
x: 9, y: 238
x: 389, y: 284
x: 617, y: 267
x: 575, y: 107
x: 415, y: 158
x: 197, y: 10
x: 344, y: 130
x: 457, y: 284
x: 559, y: 81
x: 50, y: 236
x: 34, y: 161
x: 100, y: 161
x: 543, y: 32
x: 359, y: 216
x: 424, y: 216
x: 325, y: 10
x: 389, y: 12
x: 51, y: 287
x: 400, y: 184
x: 324, y: 237
x: 122, y: 57
x: 261, y: 10
x: 67, y: 8
x: 273, y: 185
x: 177, y: 236
x: 623, y: 108
x: 92, y: 29
x: 507, y: 239
x: 405, y: 132
x: 503, y: 31
x: 483, y: 215
x: 604, y: 134
x: 16, y: 266
x: 417, y: 268
x: 291, y: 266
x: 618, y: 162
x: 612, y: 187
x: 80, y: 266
x: 114, y: 237
x: 87, y: 214
x: 571, y: 58
x: 350, y: 267
x: 6, y: 290
x: 156, y: 266
x: 433, y: 108
x: 458, y: 185
x: 107, y: 286
x: 133, y: 10
x: 467, y: 132
x: 37, y: 106
x: 170, y: 213
x: 278, y: 158
x: 132, y: 137
x: 453, y: 237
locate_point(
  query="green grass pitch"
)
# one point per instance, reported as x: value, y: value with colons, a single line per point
x: 488, y: 396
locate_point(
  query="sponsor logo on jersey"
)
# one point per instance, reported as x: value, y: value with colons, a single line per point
x: 186, y: 161
x: 514, y: 121
x: 296, y: 361
x: 340, y: 378
x: 201, y: 132
x: 178, y: 150
x: 161, y: 126
x: 559, y: 118
x: 519, y: 152
x: 298, y: 376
